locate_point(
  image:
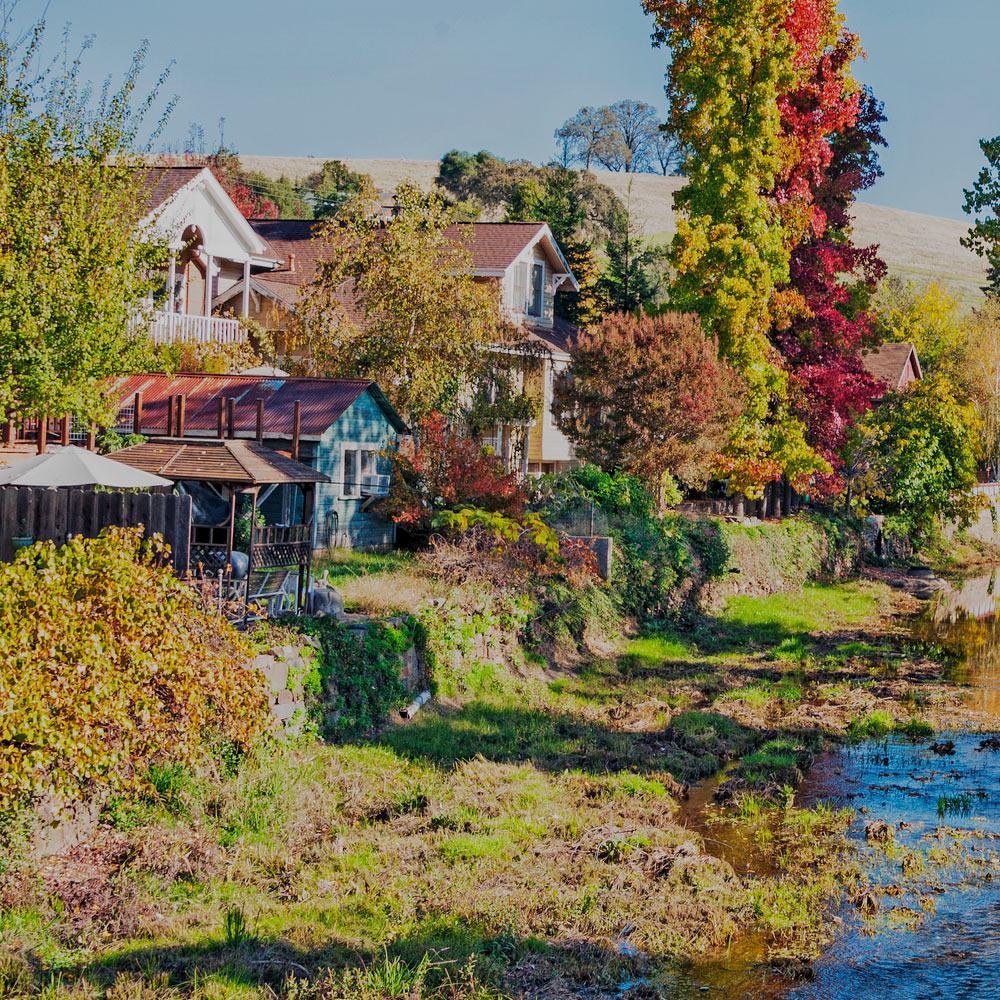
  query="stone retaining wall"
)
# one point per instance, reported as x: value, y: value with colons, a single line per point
x: 284, y: 669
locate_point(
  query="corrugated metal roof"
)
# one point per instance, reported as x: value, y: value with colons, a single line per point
x: 215, y: 460
x: 323, y: 401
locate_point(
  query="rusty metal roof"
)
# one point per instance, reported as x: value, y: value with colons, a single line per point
x: 218, y: 461
x: 323, y: 401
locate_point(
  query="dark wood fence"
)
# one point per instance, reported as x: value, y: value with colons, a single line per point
x: 56, y: 515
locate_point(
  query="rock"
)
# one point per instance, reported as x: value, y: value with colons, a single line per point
x: 326, y: 600
x: 879, y: 832
x: 944, y: 748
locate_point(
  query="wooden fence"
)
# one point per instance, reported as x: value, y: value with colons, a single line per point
x: 56, y: 515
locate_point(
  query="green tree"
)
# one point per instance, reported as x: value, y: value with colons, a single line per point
x: 920, y: 457
x: 396, y: 302
x: 76, y: 258
x: 334, y: 185
x: 982, y: 371
x: 635, y: 271
x: 982, y: 203
x: 730, y: 63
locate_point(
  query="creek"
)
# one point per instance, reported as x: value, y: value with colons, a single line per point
x: 933, y: 923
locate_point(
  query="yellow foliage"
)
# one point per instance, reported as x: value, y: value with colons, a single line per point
x: 108, y: 663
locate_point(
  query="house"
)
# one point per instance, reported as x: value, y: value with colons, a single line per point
x: 897, y: 365
x: 523, y: 259
x: 212, y: 249
x: 342, y: 428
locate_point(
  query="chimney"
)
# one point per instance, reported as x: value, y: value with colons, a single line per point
x: 291, y: 263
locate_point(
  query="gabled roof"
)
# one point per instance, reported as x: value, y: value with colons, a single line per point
x: 215, y: 460
x: 894, y: 364
x: 162, y: 183
x: 323, y: 401
x: 494, y: 246
x: 558, y: 338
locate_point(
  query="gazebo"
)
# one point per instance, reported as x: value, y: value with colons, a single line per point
x: 226, y: 478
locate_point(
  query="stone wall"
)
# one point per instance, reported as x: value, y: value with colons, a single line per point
x: 284, y: 668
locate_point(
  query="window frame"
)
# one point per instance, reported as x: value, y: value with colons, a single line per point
x: 535, y: 266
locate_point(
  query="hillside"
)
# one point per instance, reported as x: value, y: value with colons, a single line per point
x: 917, y: 247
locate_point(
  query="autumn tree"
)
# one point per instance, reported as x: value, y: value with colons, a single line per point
x: 730, y: 65
x: 76, y: 258
x: 982, y: 375
x: 832, y: 131
x: 648, y: 396
x: 396, y: 301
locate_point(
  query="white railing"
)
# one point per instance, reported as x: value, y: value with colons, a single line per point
x: 173, y: 328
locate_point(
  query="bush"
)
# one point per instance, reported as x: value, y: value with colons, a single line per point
x: 446, y: 472
x: 359, y: 682
x: 107, y: 664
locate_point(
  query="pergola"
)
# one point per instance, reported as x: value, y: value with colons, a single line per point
x: 230, y: 468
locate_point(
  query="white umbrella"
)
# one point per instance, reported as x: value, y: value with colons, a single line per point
x: 72, y: 466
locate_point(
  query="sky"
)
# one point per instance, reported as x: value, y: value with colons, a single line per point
x: 399, y: 78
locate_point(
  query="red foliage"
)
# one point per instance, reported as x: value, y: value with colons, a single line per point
x: 446, y: 471
x: 834, y: 130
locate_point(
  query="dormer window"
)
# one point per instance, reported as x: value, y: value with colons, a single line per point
x: 536, y: 290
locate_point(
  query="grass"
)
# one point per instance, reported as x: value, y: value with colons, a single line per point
x: 457, y: 856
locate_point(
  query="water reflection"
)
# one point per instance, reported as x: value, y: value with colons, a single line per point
x: 964, y: 621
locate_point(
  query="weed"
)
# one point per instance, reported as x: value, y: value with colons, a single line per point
x: 236, y: 929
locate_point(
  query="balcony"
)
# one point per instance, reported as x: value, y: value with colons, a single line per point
x: 184, y: 328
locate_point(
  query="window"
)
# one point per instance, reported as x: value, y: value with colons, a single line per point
x: 536, y: 289
x: 358, y: 463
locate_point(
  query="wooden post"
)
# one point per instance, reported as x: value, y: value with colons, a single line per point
x: 253, y: 527
x: 231, y: 527
x: 170, y: 416
x: 221, y: 418
x: 67, y: 424
x: 308, y: 506
x: 92, y: 438
x: 231, y: 416
x: 137, y: 414
x: 43, y: 434
x: 296, y: 427
x: 181, y: 406
x: 10, y: 431
x: 260, y: 421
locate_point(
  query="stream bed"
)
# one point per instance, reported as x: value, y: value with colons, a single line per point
x: 932, y: 927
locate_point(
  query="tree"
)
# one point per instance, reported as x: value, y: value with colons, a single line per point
x: 921, y: 450
x: 669, y: 151
x: 982, y: 203
x: 76, y: 260
x: 982, y: 370
x: 648, y: 396
x: 581, y: 136
x: 832, y: 130
x: 334, y: 185
x: 620, y: 136
x: 635, y: 271
x: 931, y: 319
x: 730, y: 65
x: 396, y: 302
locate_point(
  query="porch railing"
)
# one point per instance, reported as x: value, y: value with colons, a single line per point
x: 173, y: 328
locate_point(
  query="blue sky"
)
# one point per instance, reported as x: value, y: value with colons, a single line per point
x: 406, y: 79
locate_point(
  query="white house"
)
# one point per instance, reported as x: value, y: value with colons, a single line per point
x: 212, y: 248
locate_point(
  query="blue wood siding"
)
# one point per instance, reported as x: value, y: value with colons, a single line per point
x: 366, y: 425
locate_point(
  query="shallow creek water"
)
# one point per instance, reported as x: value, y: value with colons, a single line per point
x: 937, y: 932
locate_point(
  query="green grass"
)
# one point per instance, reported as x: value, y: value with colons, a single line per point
x: 346, y: 564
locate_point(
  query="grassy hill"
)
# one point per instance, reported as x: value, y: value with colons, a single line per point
x: 917, y: 247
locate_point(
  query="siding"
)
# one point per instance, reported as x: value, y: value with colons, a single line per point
x: 365, y: 424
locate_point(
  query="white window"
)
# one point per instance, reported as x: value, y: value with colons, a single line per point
x: 358, y: 463
x: 536, y: 290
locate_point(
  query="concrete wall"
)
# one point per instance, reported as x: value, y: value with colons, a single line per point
x: 986, y: 527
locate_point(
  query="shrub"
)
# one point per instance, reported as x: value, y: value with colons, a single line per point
x: 359, y: 682
x: 107, y: 664
x: 447, y: 471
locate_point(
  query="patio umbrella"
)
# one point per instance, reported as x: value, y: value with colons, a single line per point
x: 72, y: 466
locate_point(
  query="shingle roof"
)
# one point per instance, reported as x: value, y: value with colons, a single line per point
x: 162, y: 183
x: 323, y: 401
x: 560, y: 337
x: 889, y: 363
x: 221, y: 461
x: 495, y: 245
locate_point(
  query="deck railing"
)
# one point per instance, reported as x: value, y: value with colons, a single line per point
x: 184, y: 328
